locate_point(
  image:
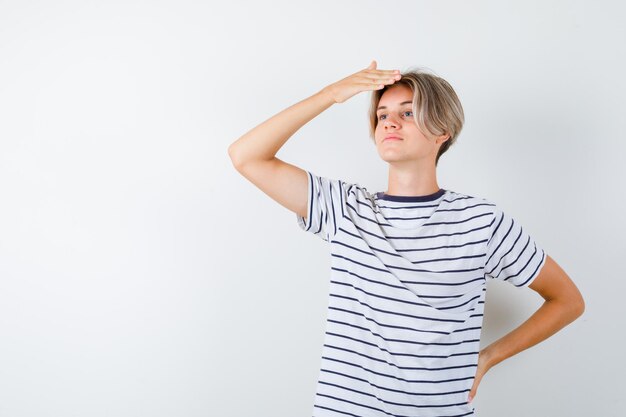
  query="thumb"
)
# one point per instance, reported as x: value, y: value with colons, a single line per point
x: 372, y: 65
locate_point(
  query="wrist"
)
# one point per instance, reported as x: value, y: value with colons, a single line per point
x: 328, y: 94
x: 489, y: 356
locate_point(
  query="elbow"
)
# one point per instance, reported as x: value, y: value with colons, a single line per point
x: 571, y: 307
x: 574, y: 308
x: 579, y: 306
x: 233, y: 156
x: 578, y: 303
x: 241, y: 157
x: 231, y: 152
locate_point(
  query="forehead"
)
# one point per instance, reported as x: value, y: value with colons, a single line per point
x: 395, y: 96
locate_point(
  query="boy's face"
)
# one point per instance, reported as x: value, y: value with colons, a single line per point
x: 396, y: 119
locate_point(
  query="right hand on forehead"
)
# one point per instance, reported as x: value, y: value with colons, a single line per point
x: 367, y: 79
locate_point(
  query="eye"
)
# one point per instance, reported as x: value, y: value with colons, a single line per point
x: 409, y: 111
x: 380, y: 117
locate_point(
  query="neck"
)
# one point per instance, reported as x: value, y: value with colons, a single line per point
x: 415, y: 180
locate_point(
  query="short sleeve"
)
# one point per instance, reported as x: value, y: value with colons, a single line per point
x: 325, y: 207
x: 512, y: 254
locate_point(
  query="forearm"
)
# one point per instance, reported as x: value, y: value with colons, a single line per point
x: 552, y: 316
x: 264, y: 141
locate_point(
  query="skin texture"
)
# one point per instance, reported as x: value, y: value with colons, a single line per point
x: 412, y: 171
x: 412, y: 159
x: 563, y: 304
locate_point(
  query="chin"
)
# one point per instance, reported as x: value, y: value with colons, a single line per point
x: 391, y: 158
x: 396, y: 157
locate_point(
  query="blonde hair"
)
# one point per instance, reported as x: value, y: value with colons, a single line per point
x: 436, y: 107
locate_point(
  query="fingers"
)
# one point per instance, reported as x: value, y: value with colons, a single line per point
x: 380, y: 78
x: 378, y: 81
x: 365, y: 80
x: 377, y: 78
x: 374, y: 85
x: 471, y: 395
x: 371, y: 69
x: 472, y: 392
x: 373, y: 64
x: 375, y: 72
x: 380, y: 75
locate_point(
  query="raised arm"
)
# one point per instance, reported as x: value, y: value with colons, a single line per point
x: 254, y: 154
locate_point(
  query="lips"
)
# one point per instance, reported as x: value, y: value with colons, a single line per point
x: 391, y: 137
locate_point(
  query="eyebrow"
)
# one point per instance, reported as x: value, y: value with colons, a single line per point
x: 403, y: 103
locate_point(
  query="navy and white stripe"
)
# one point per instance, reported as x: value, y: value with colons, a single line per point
x: 407, y: 294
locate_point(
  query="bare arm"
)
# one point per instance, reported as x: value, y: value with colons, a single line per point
x: 254, y: 153
x: 563, y: 304
x: 265, y: 140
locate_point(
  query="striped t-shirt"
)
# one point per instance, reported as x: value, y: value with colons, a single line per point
x: 407, y: 293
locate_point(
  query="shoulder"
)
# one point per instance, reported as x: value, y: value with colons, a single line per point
x: 462, y: 200
x: 356, y: 191
x: 466, y: 207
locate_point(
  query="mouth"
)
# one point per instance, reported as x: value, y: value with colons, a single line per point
x: 392, y: 138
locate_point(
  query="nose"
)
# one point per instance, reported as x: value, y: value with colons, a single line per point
x: 388, y: 122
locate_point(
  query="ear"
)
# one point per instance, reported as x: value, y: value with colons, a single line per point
x: 442, y: 138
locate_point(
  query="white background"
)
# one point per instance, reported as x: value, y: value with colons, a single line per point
x: 141, y: 275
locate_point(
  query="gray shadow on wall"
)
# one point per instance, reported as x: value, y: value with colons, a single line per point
x: 506, y: 307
